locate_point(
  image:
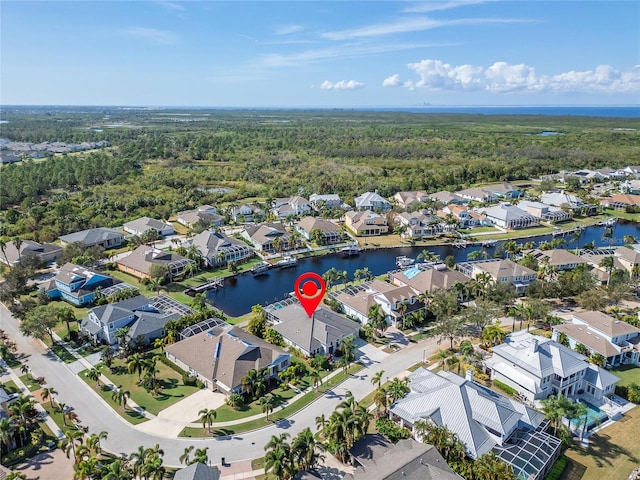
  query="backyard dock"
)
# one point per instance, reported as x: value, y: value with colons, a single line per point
x: 212, y: 284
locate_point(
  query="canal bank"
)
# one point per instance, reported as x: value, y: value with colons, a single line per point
x: 243, y: 291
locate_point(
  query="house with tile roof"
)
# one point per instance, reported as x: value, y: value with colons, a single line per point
x: 483, y: 420
x: 141, y: 225
x: 366, y: 223
x: 218, y: 248
x: 262, y: 236
x: 537, y: 367
x: 617, y: 340
x: 222, y: 356
x: 330, y: 231
x: 102, y: 237
x: 320, y: 334
x: 78, y: 285
x: 372, y: 201
x: 621, y: 201
x: 47, y: 252
x: 376, y: 458
x: 144, y: 317
x: 139, y: 262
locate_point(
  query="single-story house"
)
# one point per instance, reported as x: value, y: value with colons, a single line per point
x: 503, y: 190
x: 246, y: 213
x: 264, y: 235
x: 545, y: 212
x: 205, y: 214
x: 47, y: 252
x: 320, y: 334
x: 219, y: 249
x: 142, y: 225
x: 222, y: 356
x: 102, y: 237
x: 569, y: 201
x: 330, y: 231
x: 621, y: 201
x: 139, y: 262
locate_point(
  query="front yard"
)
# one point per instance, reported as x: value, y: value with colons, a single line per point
x: 613, y: 452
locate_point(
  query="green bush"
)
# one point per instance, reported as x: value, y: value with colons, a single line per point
x: 199, y: 384
x: 504, y: 387
x: 390, y: 430
x: 558, y: 469
x: 622, y: 391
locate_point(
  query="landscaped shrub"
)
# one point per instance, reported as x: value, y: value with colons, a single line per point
x: 504, y: 387
x: 558, y: 468
x: 188, y: 380
x: 172, y: 365
x: 633, y: 392
x: 622, y: 391
x: 390, y: 430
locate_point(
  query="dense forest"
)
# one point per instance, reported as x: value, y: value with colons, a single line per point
x: 161, y: 161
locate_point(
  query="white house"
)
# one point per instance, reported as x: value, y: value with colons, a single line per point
x: 246, y: 213
x: 330, y: 200
x: 144, y: 224
x: 537, y: 367
x: 509, y: 216
x: 616, y: 340
x: 290, y: 206
x: 220, y: 249
x: 545, y: 212
x: 372, y: 201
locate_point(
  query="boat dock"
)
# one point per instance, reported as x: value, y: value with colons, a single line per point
x: 212, y: 284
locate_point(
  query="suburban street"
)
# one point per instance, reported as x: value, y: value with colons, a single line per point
x: 125, y: 438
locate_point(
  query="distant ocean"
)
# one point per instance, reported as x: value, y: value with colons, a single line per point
x: 625, y: 112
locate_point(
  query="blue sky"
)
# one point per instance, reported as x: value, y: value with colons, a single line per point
x: 303, y: 53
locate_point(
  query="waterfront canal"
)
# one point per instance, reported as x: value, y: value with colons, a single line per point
x: 243, y: 291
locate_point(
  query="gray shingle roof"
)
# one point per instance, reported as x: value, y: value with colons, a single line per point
x: 92, y: 236
x: 197, y: 471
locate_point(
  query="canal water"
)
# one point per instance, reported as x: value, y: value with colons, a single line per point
x: 243, y: 291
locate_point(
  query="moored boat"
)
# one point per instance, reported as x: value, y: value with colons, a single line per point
x: 287, y: 262
x: 404, y: 261
x: 260, y: 269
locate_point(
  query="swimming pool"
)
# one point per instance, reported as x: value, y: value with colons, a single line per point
x: 595, y: 416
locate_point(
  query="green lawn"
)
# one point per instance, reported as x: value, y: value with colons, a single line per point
x: 613, y: 452
x: 275, y: 416
x: 29, y: 382
x: 10, y: 387
x: 172, y: 388
x: 627, y: 374
x: 128, y: 414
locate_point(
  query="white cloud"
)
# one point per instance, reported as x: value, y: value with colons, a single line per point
x: 288, y: 29
x: 392, y: 81
x: 341, y: 85
x: 435, y: 6
x: 413, y: 24
x: 153, y: 35
x: 176, y: 7
x: 502, y: 77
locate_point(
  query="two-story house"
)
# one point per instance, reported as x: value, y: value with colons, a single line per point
x: 205, y: 214
x: 330, y: 231
x: 420, y: 224
x: 616, y: 340
x: 406, y: 199
x: 290, y: 207
x: 509, y: 216
x: 372, y: 201
x: 365, y: 223
x: 568, y: 201
x: 560, y: 259
x: 219, y: 249
x: 545, y: 212
x: 537, y: 367
x: 477, y: 195
x: 501, y: 270
x: 268, y: 237
x: 246, y: 213
x: 329, y: 200
x: 78, y: 285
x: 463, y: 215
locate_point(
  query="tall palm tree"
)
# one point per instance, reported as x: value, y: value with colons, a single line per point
x: 277, y: 458
x: 68, y: 443
x: 316, y: 377
x: 304, y: 450
x: 48, y: 393
x: 17, y: 242
x: 207, y: 416
x: 3, y: 249
x: 267, y: 405
x: 136, y: 364
x: 94, y: 375
x: 65, y: 314
x: 120, y: 396
x: 186, y: 455
x: 7, y: 431
x: 249, y: 382
x: 377, y: 378
x: 117, y: 470
x: 94, y: 442
x: 201, y: 455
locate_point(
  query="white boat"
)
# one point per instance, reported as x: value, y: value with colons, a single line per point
x: 489, y: 243
x: 350, y: 250
x: 260, y: 269
x: 610, y: 221
x: 287, y: 262
x: 403, y: 262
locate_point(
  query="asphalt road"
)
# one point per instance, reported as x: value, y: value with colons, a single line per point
x: 125, y: 438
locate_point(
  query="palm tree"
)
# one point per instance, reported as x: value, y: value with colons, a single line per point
x: 627, y: 239
x: 17, y: 242
x: 304, y: 450
x: 377, y: 378
x: 121, y: 396
x: 277, y: 458
x: 94, y: 375
x: 608, y: 235
x: 442, y: 355
x: 249, y: 382
x: 266, y: 403
x: 117, y: 470
x: 48, y: 393
x: 580, y: 411
x: 7, y: 430
x: 316, y: 377
x: 452, y: 361
x: 493, y: 334
x: 65, y: 314
x: 68, y: 443
x: 186, y: 455
x: 200, y: 455
x: 136, y: 364
x: 3, y: 249
x: 377, y: 318
x: 121, y: 336
x: 608, y: 264
x: 94, y: 441
x: 155, y: 284
x: 199, y: 302
x: 207, y: 416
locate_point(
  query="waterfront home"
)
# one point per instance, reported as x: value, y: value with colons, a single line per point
x: 537, y: 367
x: 406, y: 199
x: 445, y: 197
x: 139, y: 262
x: 477, y: 195
x: 372, y: 201
x: 144, y: 317
x: 465, y: 217
x: 366, y: 223
x: 545, y: 212
x: 102, y: 237
x: 204, y: 214
x: 219, y: 249
x: 621, y: 201
x: 509, y: 216
x: 568, y: 201
x: 629, y: 258
x: 420, y: 224
x: 142, y: 225
x: 330, y: 231
x: 290, y: 207
x: 500, y: 270
x: 46, y: 252
x: 483, y: 421
x: 321, y: 334
x: 330, y: 200
x: 559, y: 259
x: 78, y: 285
x: 356, y: 301
x: 246, y: 213
x: 376, y: 458
x: 222, y: 356
x: 427, y: 279
x: 268, y: 237
x: 616, y: 340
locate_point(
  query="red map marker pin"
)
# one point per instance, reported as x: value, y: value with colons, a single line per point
x: 310, y: 288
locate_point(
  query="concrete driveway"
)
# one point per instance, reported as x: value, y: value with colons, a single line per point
x: 369, y: 354
x: 53, y: 465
